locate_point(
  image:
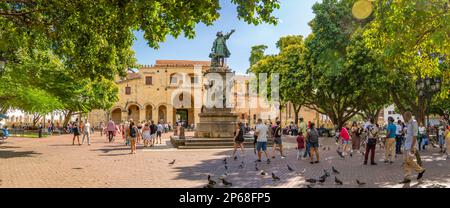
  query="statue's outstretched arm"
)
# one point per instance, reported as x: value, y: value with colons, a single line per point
x: 229, y: 34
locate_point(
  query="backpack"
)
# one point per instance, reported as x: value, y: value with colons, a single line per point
x: 133, y: 132
x: 313, y: 135
x: 153, y: 128
x: 359, y: 131
x: 276, y: 133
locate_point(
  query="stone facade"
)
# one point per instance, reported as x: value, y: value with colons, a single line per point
x: 149, y: 94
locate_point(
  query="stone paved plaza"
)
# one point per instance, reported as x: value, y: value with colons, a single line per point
x: 54, y: 162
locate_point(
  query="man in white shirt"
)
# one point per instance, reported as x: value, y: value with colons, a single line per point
x: 410, y: 148
x: 261, y: 142
x: 87, y: 132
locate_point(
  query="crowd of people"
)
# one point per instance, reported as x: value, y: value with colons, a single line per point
x: 132, y: 133
x: 405, y: 138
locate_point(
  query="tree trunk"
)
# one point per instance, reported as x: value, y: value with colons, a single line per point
x: 36, y: 118
x: 67, y: 118
x: 296, y: 112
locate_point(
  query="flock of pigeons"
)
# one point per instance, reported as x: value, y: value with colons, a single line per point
x: 312, y: 181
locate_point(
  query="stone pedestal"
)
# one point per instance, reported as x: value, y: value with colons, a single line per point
x: 217, y: 122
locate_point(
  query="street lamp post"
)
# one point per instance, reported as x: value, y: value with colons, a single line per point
x: 427, y: 88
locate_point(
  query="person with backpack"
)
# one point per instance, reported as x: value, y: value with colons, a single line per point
x: 76, y: 133
x: 133, y: 133
x: 372, y: 138
x: 277, y: 142
x: 313, y: 139
x: 153, y: 130
x: 239, y: 140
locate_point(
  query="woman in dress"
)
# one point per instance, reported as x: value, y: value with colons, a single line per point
x: 356, y: 137
x: 146, y: 135
x: 238, y: 140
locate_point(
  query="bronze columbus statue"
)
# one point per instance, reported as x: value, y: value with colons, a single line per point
x: 220, y: 50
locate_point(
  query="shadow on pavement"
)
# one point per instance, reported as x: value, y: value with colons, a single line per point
x: 14, y: 154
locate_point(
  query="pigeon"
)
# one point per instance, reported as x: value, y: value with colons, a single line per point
x: 275, y: 178
x: 324, y: 148
x: 340, y: 154
x: 326, y: 173
x: 225, y: 161
x: 208, y: 186
x: 302, y: 172
x: 360, y: 183
x: 322, y: 179
x: 263, y: 173
x: 309, y: 186
x: 337, y: 181
x: 171, y: 163
x: 241, y: 166
x: 211, y: 182
x: 256, y: 168
x: 226, y: 183
x: 334, y: 170
x: 226, y: 167
x: 311, y: 180
x: 289, y: 168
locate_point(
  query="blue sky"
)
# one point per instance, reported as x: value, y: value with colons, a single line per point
x: 294, y: 16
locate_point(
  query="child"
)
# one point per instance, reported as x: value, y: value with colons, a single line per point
x: 300, y: 145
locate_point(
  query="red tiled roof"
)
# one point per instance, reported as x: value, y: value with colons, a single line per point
x: 182, y: 62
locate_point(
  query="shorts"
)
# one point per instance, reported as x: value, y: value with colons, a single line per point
x: 158, y: 133
x: 131, y: 138
x: 345, y: 141
x: 153, y: 136
x: 277, y: 140
x: 239, y: 141
x: 314, y: 144
x: 261, y: 145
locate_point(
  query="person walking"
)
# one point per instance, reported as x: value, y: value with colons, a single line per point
x: 313, y: 138
x: 372, y: 138
x: 159, y: 131
x: 153, y: 130
x: 76, y: 133
x: 87, y: 133
x: 238, y: 140
x: 300, y: 145
x: 447, y: 141
x: 146, y: 136
x: 399, y: 137
x: 111, y: 128
x: 133, y: 133
x: 261, y: 143
x: 356, y: 136
x: 389, y: 150
x: 277, y: 142
x: 410, y: 147
x: 345, y: 139
x: 441, y: 138
x: 422, y: 135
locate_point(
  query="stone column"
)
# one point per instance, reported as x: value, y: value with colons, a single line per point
x: 170, y: 113
x: 124, y: 116
x: 141, y: 114
x: 196, y: 117
x: 155, y: 115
